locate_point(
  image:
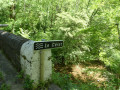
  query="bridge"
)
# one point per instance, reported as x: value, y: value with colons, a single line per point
x: 31, y: 57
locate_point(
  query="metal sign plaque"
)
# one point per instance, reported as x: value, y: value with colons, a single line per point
x: 48, y: 44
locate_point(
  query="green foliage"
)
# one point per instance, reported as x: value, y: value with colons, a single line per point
x: 112, y: 59
x: 1, y: 76
x: 85, y: 33
x: 20, y: 75
x: 5, y: 87
x: 65, y: 83
x: 88, y: 27
x: 67, y: 26
x: 28, y: 84
x: 42, y: 85
x: 62, y: 80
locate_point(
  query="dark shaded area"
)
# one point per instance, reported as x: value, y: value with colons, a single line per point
x: 53, y: 87
x: 9, y: 75
x: 11, y: 45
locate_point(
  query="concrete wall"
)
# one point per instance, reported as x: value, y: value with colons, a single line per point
x: 22, y: 55
x: 11, y: 45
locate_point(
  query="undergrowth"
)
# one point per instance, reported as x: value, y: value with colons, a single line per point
x: 69, y: 82
x: 5, y: 87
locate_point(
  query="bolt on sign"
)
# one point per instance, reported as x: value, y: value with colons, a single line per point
x: 48, y: 44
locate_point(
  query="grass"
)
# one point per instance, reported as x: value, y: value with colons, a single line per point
x: 27, y: 82
x: 85, y: 76
x: 3, y: 86
x: 1, y: 76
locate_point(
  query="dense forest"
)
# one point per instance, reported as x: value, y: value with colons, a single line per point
x: 90, y: 30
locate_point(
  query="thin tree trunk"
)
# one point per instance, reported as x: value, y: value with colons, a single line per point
x: 118, y: 34
x: 77, y: 5
x: 92, y: 15
x: 24, y: 5
x: 13, y: 14
x: 12, y: 10
x: 88, y: 3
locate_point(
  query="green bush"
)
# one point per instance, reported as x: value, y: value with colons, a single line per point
x: 67, y: 26
x: 28, y: 84
x: 5, y: 87
x: 111, y: 59
x: 62, y: 80
x: 1, y: 76
x: 65, y: 83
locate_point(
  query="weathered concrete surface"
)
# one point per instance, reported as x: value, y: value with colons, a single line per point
x: 30, y: 61
x: 9, y: 74
x: 11, y: 45
x: 45, y: 64
x: 36, y: 63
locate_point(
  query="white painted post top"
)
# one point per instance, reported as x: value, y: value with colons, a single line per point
x: 34, y: 58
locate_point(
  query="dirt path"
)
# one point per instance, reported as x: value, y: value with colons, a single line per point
x: 94, y: 73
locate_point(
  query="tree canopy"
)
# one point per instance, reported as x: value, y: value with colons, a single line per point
x: 90, y: 28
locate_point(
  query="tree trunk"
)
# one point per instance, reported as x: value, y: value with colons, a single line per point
x: 118, y: 34
x: 92, y: 16
x: 24, y: 5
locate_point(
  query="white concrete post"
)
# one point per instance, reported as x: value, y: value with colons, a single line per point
x: 34, y: 59
x: 35, y: 63
x: 30, y: 61
x: 46, y: 65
